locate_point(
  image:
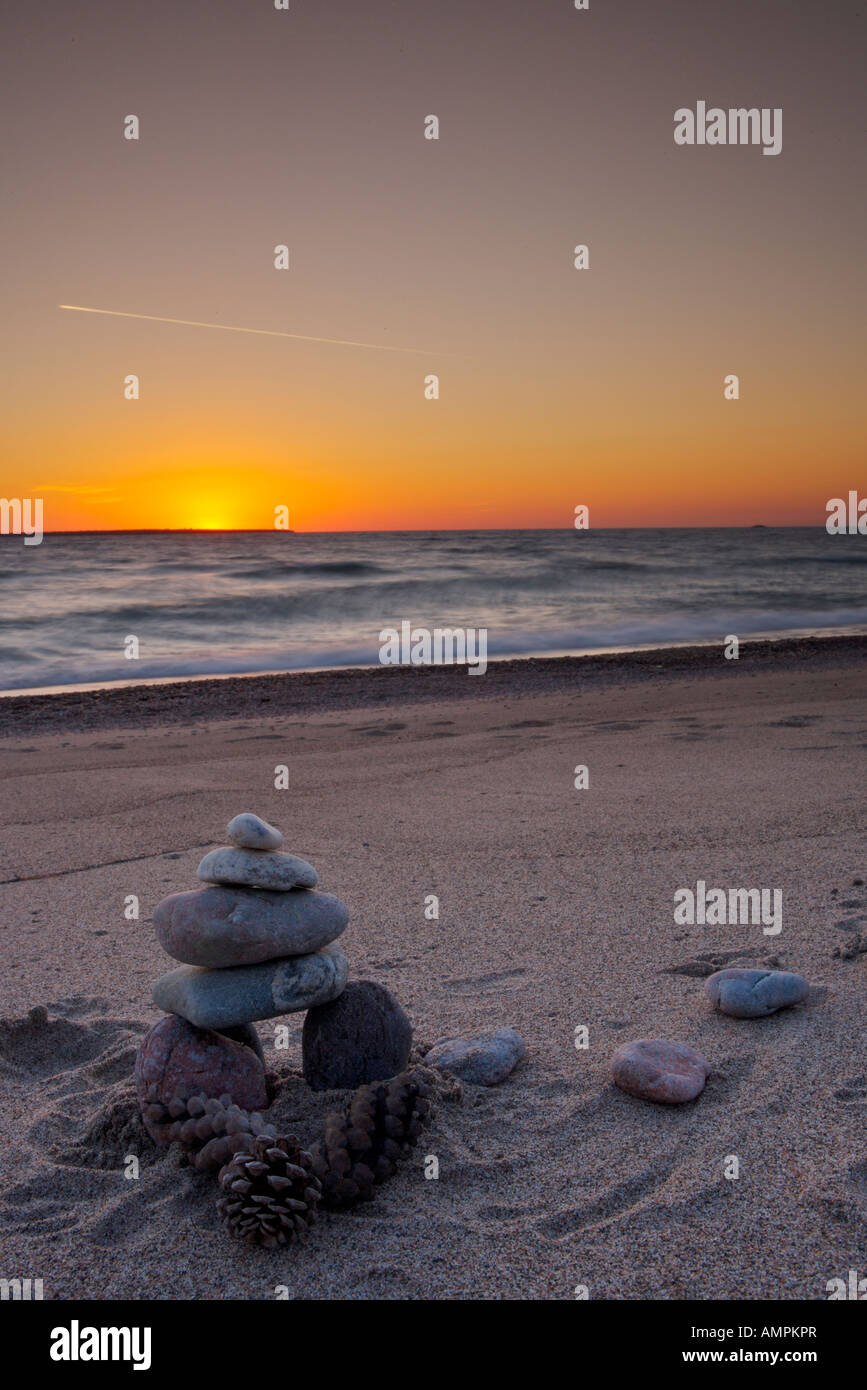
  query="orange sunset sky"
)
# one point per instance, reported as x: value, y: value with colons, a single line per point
x: 557, y: 386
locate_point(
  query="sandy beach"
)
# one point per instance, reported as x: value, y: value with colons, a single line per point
x: 555, y: 911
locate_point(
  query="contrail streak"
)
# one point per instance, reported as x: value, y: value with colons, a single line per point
x: 266, y: 332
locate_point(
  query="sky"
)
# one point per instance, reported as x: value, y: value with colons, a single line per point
x: 451, y: 258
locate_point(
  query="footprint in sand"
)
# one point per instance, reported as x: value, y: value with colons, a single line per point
x: 477, y: 983
x: 855, y: 925
x: 842, y: 1197
x: 39, y: 1046
x: 560, y: 1087
x: 795, y: 721
x: 618, y: 726
x: 726, y: 1079
x: 700, y: 966
x: 853, y: 1092
x: 854, y: 947
x: 257, y: 738
x: 857, y: 1176
x: 74, y: 1066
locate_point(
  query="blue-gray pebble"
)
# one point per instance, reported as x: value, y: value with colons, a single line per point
x: 481, y: 1061
x: 755, y: 993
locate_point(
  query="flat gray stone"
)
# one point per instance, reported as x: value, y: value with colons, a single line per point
x: 251, y: 832
x: 481, y: 1061
x: 224, y: 926
x: 744, y: 993
x: 361, y: 1037
x: 224, y: 998
x: 256, y: 868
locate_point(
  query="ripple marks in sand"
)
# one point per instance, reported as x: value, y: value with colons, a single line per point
x: 617, y: 1200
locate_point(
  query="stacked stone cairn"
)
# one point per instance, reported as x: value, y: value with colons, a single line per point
x: 258, y: 941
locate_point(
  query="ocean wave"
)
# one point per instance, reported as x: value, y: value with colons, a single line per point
x: 662, y: 630
x: 517, y: 644
x: 843, y: 557
x: 233, y: 604
x: 337, y: 569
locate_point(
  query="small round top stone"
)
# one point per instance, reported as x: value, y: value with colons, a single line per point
x: 251, y: 832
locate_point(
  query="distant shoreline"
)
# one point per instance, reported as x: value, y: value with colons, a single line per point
x: 819, y: 525
x: 232, y: 697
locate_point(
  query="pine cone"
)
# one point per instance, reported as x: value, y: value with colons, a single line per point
x: 214, y: 1129
x: 362, y: 1147
x: 268, y: 1193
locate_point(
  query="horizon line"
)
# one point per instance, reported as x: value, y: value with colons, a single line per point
x: 418, y: 531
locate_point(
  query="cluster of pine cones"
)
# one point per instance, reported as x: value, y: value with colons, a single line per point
x: 211, y: 1129
x: 270, y: 1187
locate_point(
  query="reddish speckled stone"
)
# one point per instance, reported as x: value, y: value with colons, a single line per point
x: 658, y: 1070
x: 176, y: 1056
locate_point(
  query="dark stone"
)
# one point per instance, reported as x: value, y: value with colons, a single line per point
x: 362, y: 1036
x: 245, y: 1033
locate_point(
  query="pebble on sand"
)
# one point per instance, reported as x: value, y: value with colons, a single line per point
x: 744, y: 993
x: 361, y: 1037
x: 174, y: 1055
x: 480, y: 1061
x: 225, y: 926
x: 256, y: 868
x: 251, y: 832
x: 224, y: 998
x: 654, y: 1069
